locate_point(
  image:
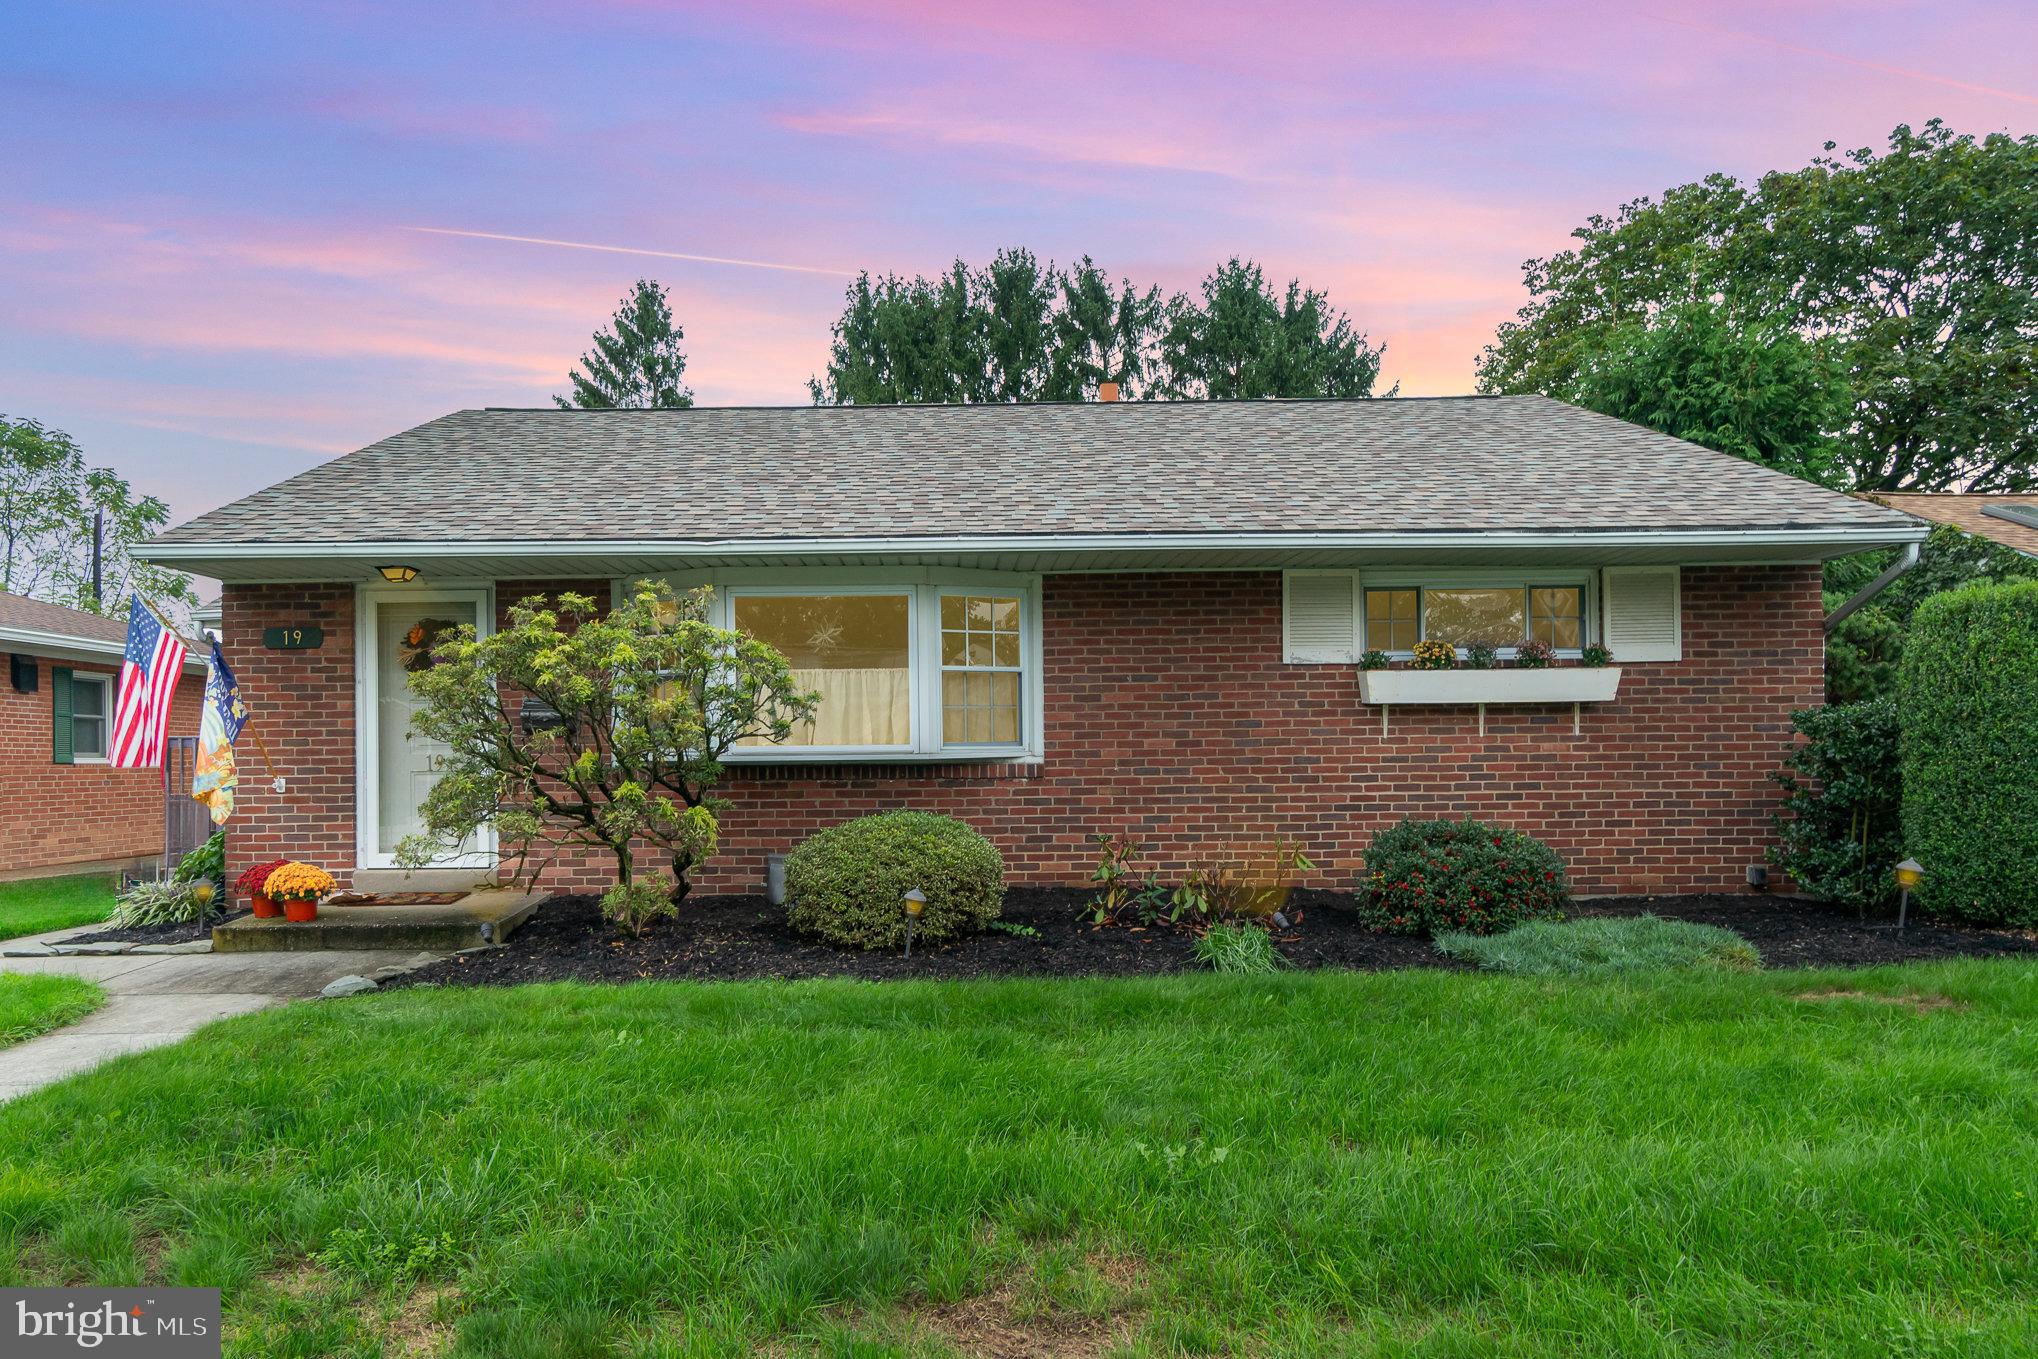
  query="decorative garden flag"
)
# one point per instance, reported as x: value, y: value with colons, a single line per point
x: 215, y: 776
x: 148, y: 680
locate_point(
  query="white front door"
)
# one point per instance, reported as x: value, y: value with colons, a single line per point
x: 399, y: 766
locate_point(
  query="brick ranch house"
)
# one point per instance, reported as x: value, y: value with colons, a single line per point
x: 67, y: 810
x: 1059, y: 620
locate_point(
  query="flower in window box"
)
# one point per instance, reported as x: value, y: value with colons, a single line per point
x: 1595, y: 655
x: 1530, y: 654
x: 1435, y: 656
x: 1374, y: 660
x: 1481, y: 655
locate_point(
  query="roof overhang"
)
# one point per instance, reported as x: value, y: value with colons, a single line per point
x: 253, y: 563
x: 89, y: 650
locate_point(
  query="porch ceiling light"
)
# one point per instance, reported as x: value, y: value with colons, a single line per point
x: 398, y: 574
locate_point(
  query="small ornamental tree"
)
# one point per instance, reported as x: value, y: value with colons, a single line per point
x: 1837, y: 834
x: 573, y: 727
x: 1967, y: 701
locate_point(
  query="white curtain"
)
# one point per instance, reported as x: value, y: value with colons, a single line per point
x: 858, y: 708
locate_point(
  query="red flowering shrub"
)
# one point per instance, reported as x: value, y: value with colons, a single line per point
x: 1427, y: 876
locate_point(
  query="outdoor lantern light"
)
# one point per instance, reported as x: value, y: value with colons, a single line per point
x: 397, y: 575
x: 1909, y: 874
x: 916, y: 905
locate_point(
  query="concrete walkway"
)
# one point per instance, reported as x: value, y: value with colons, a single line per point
x: 156, y: 999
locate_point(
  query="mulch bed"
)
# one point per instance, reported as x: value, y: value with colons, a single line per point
x: 733, y: 937
x: 182, y: 932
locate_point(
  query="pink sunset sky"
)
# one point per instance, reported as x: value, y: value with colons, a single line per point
x: 240, y: 239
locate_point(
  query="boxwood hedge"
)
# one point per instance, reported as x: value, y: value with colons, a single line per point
x: 847, y: 883
x: 1967, y: 701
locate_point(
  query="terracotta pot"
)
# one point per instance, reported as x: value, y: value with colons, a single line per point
x: 302, y: 910
x: 265, y: 909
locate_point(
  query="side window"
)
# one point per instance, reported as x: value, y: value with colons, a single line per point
x: 91, y: 713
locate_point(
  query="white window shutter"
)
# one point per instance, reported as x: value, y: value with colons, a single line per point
x: 1644, y: 614
x: 1319, y: 621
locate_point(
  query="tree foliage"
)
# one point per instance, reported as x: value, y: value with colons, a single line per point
x: 1916, y: 267
x: 637, y: 362
x: 1019, y: 330
x: 1863, y: 653
x: 1839, y: 832
x: 48, y: 499
x: 634, y: 709
x: 1756, y: 389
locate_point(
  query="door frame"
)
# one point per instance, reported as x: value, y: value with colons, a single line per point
x: 368, y: 710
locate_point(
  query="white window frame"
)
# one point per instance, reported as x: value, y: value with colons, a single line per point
x: 926, y: 586
x: 1582, y: 578
x: 104, y: 684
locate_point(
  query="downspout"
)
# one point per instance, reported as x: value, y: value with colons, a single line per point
x: 1873, y: 588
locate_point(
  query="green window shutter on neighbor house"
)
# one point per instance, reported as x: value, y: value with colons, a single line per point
x: 61, y: 733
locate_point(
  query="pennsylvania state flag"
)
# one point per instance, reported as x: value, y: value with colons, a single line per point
x: 214, y: 778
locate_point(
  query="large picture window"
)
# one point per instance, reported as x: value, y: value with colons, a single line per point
x: 923, y: 669
x: 1503, y: 613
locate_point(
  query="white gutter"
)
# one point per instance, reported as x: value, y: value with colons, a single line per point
x: 62, y: 647
x: 397, y: 550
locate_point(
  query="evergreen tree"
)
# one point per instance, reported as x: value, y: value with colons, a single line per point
x: 637, y: 363
x: 1243, y: 343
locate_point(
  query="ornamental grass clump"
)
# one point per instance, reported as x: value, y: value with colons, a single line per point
x: 847, y: 884
x: 1605, y: 947
x: 162, y: 902
x: 1424, y: 877
x: 1239, y: 951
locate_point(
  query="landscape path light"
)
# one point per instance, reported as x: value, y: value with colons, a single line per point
x: 1909, y: 874
x: 916, y: 906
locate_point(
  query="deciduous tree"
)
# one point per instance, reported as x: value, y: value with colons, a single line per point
x: 573, y: 727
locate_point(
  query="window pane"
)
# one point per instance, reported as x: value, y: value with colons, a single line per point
x: 88, y: 698
x: 855, y: 650
x: 1476, y: 615
x: 1558, y: 616
x: 980, y: 707
x: 88, y: 737
x: 1391, y: 619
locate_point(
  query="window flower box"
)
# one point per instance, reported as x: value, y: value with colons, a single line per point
x: 1565, y: 684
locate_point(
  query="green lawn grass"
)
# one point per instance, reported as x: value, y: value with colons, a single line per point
x: 1308, y: 1164
x: 32, y: 905
x: 31, y: 1004
x: 1599, y: 946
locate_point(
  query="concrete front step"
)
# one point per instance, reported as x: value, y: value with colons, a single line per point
x: 479, y: 918
x: 422, y: 879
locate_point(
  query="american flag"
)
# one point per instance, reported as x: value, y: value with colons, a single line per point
x: 148, y: 678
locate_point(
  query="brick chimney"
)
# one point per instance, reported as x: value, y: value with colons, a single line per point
x: 1107, y: 391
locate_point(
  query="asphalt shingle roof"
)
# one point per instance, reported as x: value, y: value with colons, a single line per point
x: 1965, y: 512
x: 725, y: 473
x: 35, y: 615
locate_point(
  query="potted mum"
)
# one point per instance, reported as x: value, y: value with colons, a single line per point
x: 251, y: 884
x: 298, y: 887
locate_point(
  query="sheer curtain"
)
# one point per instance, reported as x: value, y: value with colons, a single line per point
x: 858, y: 708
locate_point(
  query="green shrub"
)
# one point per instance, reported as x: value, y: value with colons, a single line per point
x: 1839, y: 830
x: 635, y: 904
x: 1240, y: 950
x: 846, y: 884
x: 1967, y: 698
x: 1578, y: 948
x: 207, y: 863
x: 1426, y: 876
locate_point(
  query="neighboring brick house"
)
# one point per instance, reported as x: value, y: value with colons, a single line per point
x: 65, y: 809
x: 1063, y: 620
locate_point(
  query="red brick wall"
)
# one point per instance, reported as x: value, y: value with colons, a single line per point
x: 59, y: 814
x: 1171, y: 716
x: 301, y: 706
